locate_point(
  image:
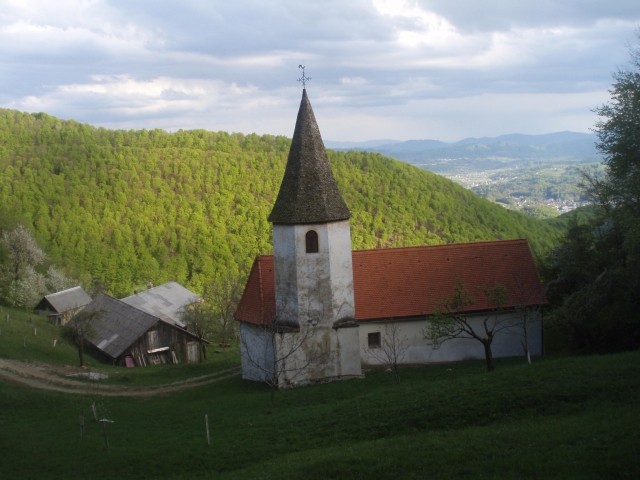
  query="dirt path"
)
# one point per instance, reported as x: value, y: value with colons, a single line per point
x: 61, y: 379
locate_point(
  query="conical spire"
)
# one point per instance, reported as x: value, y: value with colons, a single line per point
x: 308, y: 193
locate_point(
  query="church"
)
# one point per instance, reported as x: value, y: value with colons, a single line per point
x: 316, y: 311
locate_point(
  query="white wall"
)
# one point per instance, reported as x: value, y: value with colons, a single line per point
x: 313, y: 291
x: 418, y: 350
x: 256, y: 353
x: 313, y: 286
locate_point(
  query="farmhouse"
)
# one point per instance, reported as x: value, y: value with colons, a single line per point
x: 318, y: 311
x: 126, y: 335
x: 60, y: 307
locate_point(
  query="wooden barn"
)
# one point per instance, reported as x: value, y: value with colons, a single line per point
x: 61, y: 306
x: 126, y: 335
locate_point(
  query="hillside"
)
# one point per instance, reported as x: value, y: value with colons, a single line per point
x: 573, y: 417
x: 123, y: 208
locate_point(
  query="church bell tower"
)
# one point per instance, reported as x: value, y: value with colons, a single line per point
x: 312, y: 259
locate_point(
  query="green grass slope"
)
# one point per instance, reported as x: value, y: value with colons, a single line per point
x: 558, y: 418
x: 124, y: 208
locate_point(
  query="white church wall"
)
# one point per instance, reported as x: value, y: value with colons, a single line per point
x: 313, y: 291
x: 417, y: 350
x: 348, y: 351
x: 256, y: 353
x: 341, y: 268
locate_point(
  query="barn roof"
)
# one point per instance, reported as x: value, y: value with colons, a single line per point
x: 414, y: 281
x: 308, y: 193
x: 65, y: 300
x: 166, y: 302
x: 117, y: 326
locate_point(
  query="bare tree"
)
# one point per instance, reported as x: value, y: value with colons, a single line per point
x: 451, y: 322
x: 391, y: 350
x: 524, y: 297
x: 283, y: 354
x: 223, y: 295
x: 80, y: 328
x: 200, y: 321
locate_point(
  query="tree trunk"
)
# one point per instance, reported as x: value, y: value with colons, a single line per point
x: 488, y: 356
x: 203, y: 350
x: 81, y: 352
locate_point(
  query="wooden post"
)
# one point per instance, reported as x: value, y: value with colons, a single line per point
x: 81, y: 427
x: 206, y: 424
x: 104, y: 422
x: 104, y: 433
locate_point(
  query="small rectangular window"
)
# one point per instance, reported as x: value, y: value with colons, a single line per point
x: 373, y: 340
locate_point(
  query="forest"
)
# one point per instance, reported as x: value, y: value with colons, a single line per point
x: 118, y: 209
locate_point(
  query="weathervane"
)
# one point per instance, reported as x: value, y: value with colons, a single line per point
x: 304, y: 79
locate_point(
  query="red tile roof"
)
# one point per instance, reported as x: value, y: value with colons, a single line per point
x: 413, y: 281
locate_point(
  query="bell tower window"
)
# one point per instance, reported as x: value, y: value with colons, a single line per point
x: 311, y: 241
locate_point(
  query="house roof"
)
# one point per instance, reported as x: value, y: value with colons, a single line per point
x: 166, y: 302
x: 308, y: 193
x: 65, y: 300
x: 117, y: 325
x: 414, y: 281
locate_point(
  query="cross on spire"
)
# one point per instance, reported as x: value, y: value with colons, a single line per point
x: 304, y: 79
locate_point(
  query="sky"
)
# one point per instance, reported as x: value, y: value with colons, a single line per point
x: 378, y: 69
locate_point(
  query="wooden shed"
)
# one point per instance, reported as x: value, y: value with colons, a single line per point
x: 126, y: 335
x: 61, y: 306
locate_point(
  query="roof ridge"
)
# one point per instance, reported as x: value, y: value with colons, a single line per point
x: 443, y: 245
x: 62, y: 291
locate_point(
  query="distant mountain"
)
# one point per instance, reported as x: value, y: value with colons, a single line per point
x: 369, y: 144
x: 487, y: 153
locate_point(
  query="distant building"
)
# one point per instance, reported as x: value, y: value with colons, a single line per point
x: 60, y: 307
x: 316, y: 311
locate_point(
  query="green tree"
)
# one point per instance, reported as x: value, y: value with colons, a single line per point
x: 223, y: 295
x: 595, y: 272
x: 21, y: 284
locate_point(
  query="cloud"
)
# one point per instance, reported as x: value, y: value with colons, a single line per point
x: 378, y: 67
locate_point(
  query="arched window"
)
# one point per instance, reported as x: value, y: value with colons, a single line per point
x: 311, y: 239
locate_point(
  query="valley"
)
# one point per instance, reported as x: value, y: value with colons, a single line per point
x: 539, y: 175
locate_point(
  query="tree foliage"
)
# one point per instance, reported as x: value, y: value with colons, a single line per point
x: 23, y: 278
x: 596, y: 269
x: 125, y: 208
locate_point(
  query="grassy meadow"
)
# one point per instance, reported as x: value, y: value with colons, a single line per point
x: 565, y: 417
